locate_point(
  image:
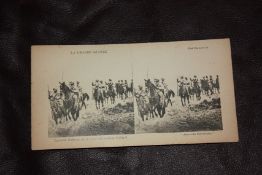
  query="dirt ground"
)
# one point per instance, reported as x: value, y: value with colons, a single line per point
x: 112, y: 119
x: 203, y: 115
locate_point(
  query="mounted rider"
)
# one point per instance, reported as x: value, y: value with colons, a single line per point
x: 97, y: 84
x: 73, y: 89
x: 211, y: 80
x: 55, y: 100
x: 142, y: 96
x: 183, y: 82
x: 164, y: 85
x: 195, y: 81
x: 159, y: 86
x: 103, y: 88
x: 79, y: 88
x: 187, y: 84
x: 110, y: 85
x: 54, y: 96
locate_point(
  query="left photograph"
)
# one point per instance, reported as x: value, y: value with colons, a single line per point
x: 91, y: 107
x: 87, y: 95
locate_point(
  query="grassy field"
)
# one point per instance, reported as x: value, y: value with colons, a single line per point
x: 199, y: 116
x: 112, y: 119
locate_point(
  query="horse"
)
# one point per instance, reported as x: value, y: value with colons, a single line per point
x: 143, y: 106
x: 98, y: 95
x: 111, y: 93
x: 121, y: 91
x: 156, y: 100
x: 85, y: 96
x: 196, y: 91
x: 169, y: 94
x: 57, y: 110
x: 105, y: 95
x: 206, y: 87
x: 71, y: 101
x: 184, y: 94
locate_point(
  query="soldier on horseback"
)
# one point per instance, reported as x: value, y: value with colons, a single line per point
x: 164, y: 85
x: 97, y: 84
x: 79, y: 89
x: 187, y: 84
x: 141, y: 94
x: 73, y: 89
x: 159, y: 86
x: 55, y: 96
x: 56, y: 103
x: 195, y: 81
x: 110, y: 83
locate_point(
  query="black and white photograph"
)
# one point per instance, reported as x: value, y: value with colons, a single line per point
x: 171, y: 98
x: 98, y: 103
x: 182, y: 105
x: 132, y: 94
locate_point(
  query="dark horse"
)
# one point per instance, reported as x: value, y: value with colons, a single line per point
x: 156, y: 100
x: 71, y: 102
x: 111, y: 93
x: 122, y: 92
x: 184, y: 94
x: 169, y: 94
x: 196, y: 90
x: 98, y: 95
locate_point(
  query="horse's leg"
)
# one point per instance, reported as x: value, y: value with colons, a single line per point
x: 169, y: 101
x: 77, y: 114
x: 156, y: 112
x: 55, y: 118
x: 67, y: 114
x: 84, y: 104
x: 142, y: 116
x: 97, y: 104
x: 151, y: 112
x: 182, y: 100
x: 163, y: 110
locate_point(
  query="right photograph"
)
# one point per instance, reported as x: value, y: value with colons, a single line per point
x: 183, y: 103
x: 172, y: 98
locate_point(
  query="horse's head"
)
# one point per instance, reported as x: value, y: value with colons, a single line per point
x: 64, y: 88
